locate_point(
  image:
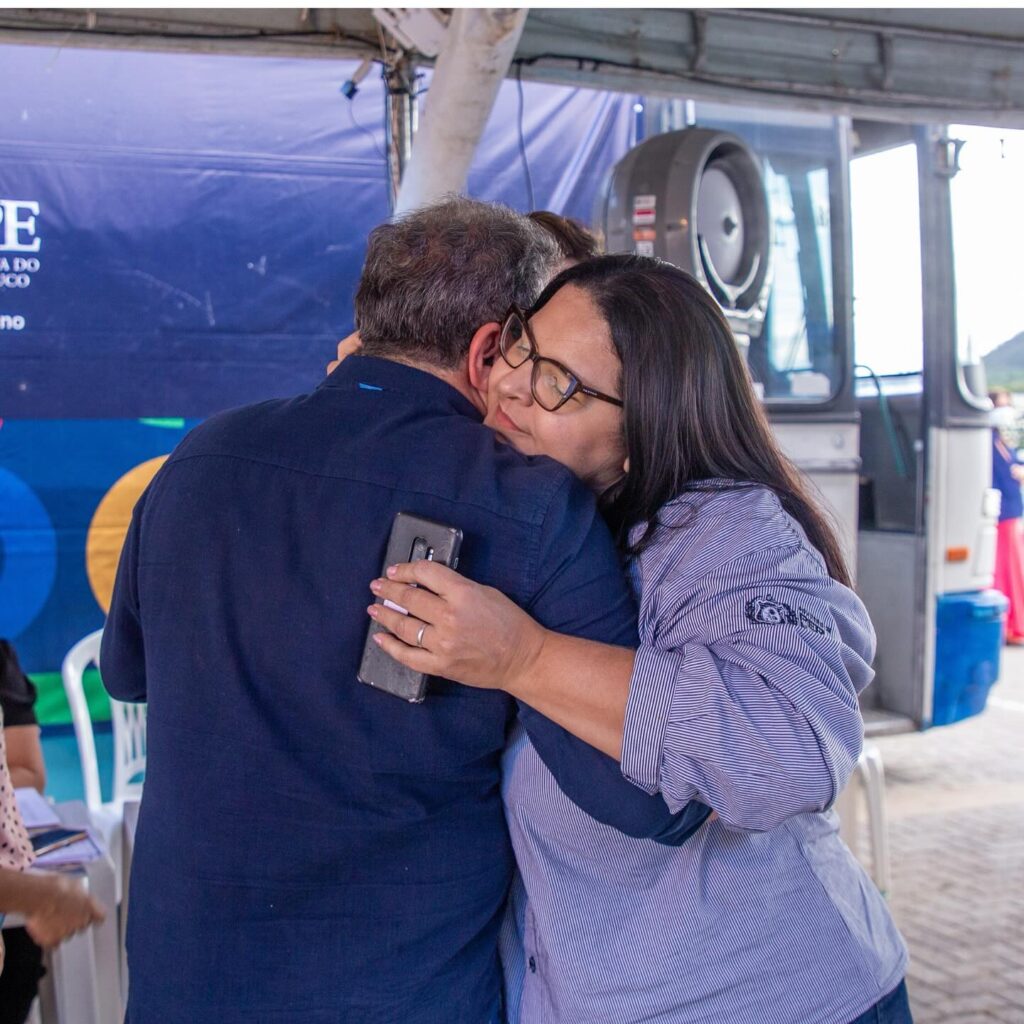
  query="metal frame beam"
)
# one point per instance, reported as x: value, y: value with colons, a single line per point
x: 848, y: 62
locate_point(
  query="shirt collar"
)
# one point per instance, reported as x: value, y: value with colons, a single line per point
x: 368, y: 373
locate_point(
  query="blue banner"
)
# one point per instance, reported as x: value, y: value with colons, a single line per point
x: 184, y: 233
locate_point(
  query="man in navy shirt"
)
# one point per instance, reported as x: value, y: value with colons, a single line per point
x: 310, y: 849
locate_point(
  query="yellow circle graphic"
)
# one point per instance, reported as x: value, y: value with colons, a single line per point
x: 110, y: 525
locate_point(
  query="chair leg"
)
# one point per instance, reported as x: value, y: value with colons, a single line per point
x: 106, y: 942
x: 873, y: 777
x: 46, y: 1004
x: 73, y: 964
x: 847, y: 806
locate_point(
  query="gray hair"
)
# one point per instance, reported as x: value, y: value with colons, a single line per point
x: 436, y: 275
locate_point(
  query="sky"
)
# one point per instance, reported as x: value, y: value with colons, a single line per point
x: 988, y: 230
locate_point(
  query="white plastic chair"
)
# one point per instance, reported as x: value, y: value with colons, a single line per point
x: 82, y: 984
x: 868, y: 781
x: 129, y: 721
x: 872, y: 777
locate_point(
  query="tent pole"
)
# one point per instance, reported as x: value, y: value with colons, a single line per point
x: 478, y: 50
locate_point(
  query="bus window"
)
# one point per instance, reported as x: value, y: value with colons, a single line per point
x: 988, y: 225
x: 885, y: 225
x: 800, y: 357
x: 795, y: 358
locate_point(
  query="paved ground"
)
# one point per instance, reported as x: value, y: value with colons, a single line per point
x: 956, y: 804
x: 956, y: 807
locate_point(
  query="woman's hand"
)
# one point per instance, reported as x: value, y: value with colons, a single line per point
x: 455, y: 628
x: 346, y: 347
x: 62, y: 908
x: 476, y: 635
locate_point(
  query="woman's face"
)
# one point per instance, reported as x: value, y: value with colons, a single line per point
x: 585, y: 434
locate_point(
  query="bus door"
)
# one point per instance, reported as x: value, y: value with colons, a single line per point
x: 926, y: 539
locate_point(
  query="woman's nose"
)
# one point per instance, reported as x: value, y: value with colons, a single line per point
x: 516, y: 383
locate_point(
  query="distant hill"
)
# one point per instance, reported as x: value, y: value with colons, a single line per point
x: 1004, y: 366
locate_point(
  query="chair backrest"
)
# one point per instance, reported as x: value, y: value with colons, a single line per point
x: 129, y: 722
x: 129, y: 750
x: 85, y: 653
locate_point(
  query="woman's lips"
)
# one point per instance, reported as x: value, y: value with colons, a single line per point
x: 505, y: 422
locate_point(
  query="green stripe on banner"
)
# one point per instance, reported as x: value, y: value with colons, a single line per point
x: 52, y: 706
x: 170, y: 422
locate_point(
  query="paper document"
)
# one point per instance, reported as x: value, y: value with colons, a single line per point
x: 75, y: 853
x: 38, y: 814
x: 36, y: 810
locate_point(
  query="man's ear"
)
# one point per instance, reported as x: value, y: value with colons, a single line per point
x: 483, y: 350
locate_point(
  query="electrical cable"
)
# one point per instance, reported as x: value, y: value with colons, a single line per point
x: 531, y: 199
x: 366, y: 131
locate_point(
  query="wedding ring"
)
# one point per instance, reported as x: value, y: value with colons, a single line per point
x: 419, y: 635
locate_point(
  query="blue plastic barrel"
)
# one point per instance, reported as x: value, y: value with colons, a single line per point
x: 968, y: 642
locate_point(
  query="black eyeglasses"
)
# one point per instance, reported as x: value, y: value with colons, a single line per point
x: 551, y: 383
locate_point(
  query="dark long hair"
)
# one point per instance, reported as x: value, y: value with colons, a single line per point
x: 690, y: 413
x: 572, y: 238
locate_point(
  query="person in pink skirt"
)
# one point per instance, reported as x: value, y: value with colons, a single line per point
x: 1007, y: 474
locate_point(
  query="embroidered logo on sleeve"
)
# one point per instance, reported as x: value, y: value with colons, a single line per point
x: 809, y: 621
x: 767, y: 611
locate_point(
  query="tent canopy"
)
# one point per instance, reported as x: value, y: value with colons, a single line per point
x: 907, y: 65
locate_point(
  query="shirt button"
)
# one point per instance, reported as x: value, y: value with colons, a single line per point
x: 533, y: 965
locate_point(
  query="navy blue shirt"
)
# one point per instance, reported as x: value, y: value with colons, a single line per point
x: 310, y: 849
x: 1012, y: 506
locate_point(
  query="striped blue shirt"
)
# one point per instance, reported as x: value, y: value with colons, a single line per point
x: 744, y: 696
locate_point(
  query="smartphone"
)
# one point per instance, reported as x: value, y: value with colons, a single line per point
x: 56, y: 838
x: 412, y: 538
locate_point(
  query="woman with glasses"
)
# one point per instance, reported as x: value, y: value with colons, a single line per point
x: 742, y: 692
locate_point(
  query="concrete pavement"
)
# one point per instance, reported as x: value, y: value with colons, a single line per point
x: 956, y: 806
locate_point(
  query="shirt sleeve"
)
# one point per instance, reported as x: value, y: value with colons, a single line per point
x: 745, y: 695
x: 15, y: 849
x: 582, y: 591
x: 17, y: 692
x: 122, y: 655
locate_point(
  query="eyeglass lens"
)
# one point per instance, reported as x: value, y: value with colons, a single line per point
x: 550, y: 383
